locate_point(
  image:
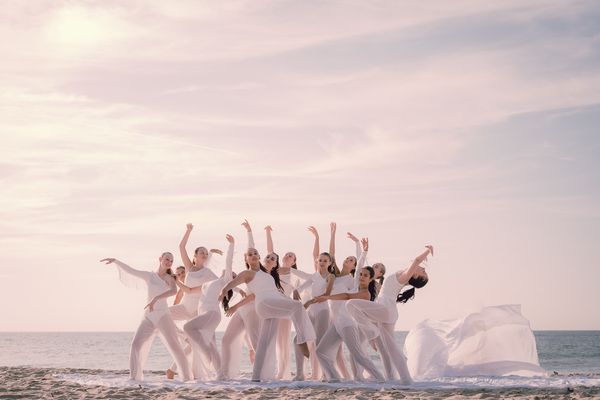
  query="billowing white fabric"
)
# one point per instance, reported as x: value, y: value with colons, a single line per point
x: 495, y: 341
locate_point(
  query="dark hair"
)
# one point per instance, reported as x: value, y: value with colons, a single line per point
x: 416, y: 283
x: 372, y: 288
x: 274, y: 272
x: 381, y: 278
x: 333, y: 268
x: 226, y: 300
x: 169, y: 272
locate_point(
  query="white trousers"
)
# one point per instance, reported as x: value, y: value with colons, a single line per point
x: 328, y: 347
x: 142, y: 341
x: 201, y: 332
x: 244, y: 320
x: 379, y: 315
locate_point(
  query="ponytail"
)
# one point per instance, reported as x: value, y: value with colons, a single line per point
x: 416, y: 283
x: 372, y: 290
x: 226, y: 300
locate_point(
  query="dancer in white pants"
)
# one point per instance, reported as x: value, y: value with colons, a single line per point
x: 196, y: 274
x: 271, y: 305
x: 244, y: 325
x: 160, y: 285
x: 320, y: 282
x: 378, y: 318
x: 201, y: 329
x: 345, y: 329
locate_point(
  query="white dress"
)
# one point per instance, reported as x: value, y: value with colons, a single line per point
x: 495, y: 341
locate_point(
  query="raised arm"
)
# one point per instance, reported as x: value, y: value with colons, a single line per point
x: 246, y: 225
x: 361, y: 260
x: 229, y: 257
x: 268, y: 230
x: 404, y: 276
x: 356, y: 243
x: 316, y: 249
x: 333, y: 228
x: 184, y: 255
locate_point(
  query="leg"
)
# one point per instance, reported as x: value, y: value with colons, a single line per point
x: 200, y: 331
x: 268, y: 332
x: 231, y: 346
x: 350, y: 335
x: 327, y: 351
x: 341, y: 364
x: 321, y: 323
x: 283, y: 348
x: 385, y: 358
x: 397, y: 357
x: 168, y: 332
x: 140, y: 347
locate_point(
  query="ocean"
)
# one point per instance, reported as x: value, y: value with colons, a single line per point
x: 95, y: 365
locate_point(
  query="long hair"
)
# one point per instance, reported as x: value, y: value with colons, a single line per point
x: 353, y: 270
x: 372, y: 287
x: 333, y: 268
x: 226, y: 299
x: 416, y: 283
x: 274, y: 273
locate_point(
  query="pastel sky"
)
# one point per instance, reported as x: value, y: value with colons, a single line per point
x: 469, y: 125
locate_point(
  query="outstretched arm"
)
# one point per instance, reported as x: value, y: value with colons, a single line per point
x: 126, y: 268
x: 268, y: 230
x: 243, y: 277
x: 333, y: 228
x: 364, y: 295
x: 316, y: 249
x: 184, y: 255
x: 246, y: 225
x: 241, y: 303
x: 404, y: 276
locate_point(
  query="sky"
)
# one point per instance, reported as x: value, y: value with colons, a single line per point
x: 469, y: 125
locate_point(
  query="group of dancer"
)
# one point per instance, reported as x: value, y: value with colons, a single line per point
x: 353, y: 306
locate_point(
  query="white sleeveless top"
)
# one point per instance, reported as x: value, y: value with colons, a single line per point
x: 263, y: 285
x: 339, y: 316
x: 389, y: 291
x: 157, y: 286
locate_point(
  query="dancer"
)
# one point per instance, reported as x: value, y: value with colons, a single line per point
x: 345, y: 329
x: 201, y: 329
x: 378, y: 318
x: 321, y: 282
x: 271, y: 304
x: 244, y: 324
x: 288, y: 283
x: 160, y: 285
x: 196, y: 275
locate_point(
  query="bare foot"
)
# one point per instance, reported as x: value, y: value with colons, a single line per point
x: 170, y: 374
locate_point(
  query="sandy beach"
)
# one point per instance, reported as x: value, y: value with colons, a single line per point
x: 53, y: 383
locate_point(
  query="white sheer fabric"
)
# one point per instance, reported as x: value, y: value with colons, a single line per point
x: 495, y: 341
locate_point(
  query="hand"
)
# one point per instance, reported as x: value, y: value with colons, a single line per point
x: 351, y: 236
x: 430, y: 247
x: 333, y: 227
x: 230, y: 238
x: 108, y: 260
x: 365, y: 244
x: 221, y: 296
x: 217, y: 251
x: 246, y: 225
x: 189, y: 227
x: 313, y: 230
x: 242, y: 293
x: 268, y: 228
x: 150, y: 306
x: 320, y: 299
x: 231, y: 310
x: 296, y: 295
